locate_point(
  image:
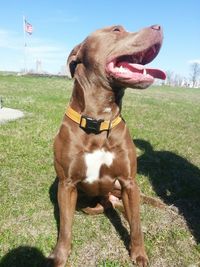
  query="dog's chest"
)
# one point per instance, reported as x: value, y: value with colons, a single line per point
x: 93, y: 163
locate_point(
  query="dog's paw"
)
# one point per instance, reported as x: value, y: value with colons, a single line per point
x: 57, y: 258
x: 139, y: 257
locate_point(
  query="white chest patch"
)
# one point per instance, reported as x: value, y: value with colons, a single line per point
x: 94, y: 161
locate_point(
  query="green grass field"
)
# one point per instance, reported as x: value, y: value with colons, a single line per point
x: 165, y: 125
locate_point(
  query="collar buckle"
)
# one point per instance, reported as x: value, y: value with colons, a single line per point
x: 90, y: 125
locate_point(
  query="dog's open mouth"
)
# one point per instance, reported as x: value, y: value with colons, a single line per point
x: 132, y: 69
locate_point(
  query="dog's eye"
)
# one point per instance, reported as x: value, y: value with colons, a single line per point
x: 116, y: 29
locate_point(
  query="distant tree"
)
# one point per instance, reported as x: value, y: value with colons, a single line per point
x: 170, y: 77
x: 177, y: 80
x: 194, y: 73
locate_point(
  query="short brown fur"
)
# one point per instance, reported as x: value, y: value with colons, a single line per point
x: 93, y: 92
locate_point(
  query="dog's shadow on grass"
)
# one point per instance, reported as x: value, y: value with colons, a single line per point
x: 25, y: 256
x: 175, y: 180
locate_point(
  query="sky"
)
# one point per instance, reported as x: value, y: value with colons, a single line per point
x: 59, y: 25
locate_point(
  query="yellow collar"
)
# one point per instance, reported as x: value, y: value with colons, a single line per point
x: 90, y: 124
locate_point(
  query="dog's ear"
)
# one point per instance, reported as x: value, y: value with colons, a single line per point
x: 74, y: 59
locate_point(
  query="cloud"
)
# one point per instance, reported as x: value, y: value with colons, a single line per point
x: 46, y: 50
x: 194, y: 61
x: 51, y: 53
x: 10, y: 40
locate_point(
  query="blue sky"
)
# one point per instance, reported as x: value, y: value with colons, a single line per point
x: 60, y: 25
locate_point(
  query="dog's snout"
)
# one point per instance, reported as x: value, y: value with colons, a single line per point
x: 156, y: 27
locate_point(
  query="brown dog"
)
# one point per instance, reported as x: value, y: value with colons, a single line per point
x: 94, y: 152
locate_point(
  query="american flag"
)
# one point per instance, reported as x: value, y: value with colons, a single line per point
x: 28, y: 27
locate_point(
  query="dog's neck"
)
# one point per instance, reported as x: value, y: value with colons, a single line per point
x: 96, y: 101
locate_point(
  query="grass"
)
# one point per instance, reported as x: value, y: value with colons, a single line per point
x: 165, y: 125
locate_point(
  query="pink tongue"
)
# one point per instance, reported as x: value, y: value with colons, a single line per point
x: 156, y: 73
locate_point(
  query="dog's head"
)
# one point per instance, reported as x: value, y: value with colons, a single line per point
x: 118, y: 57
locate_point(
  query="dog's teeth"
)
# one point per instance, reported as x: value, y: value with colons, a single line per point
x: 144, y: 72
x: 121, y: 69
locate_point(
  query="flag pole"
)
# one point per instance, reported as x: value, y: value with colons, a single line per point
x: 24, y: 30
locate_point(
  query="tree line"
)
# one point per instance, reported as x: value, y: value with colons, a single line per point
x: 174, y: 79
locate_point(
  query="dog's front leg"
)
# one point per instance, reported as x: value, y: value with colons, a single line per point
x: 67, y: 197
x: 131, y: 201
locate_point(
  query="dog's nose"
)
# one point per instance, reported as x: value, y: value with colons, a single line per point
x: 156, y: 27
